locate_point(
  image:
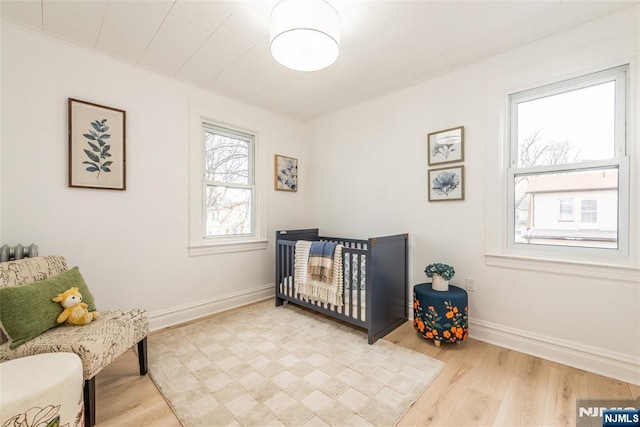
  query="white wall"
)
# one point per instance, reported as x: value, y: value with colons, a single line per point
x: 131, y: 245
x: 369, y: 177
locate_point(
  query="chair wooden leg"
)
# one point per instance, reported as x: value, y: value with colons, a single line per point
x: 90, y: 402
x: 142, y: 355
x: 90, y: 386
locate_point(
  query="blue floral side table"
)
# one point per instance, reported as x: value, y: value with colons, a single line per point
x: 440, y: 316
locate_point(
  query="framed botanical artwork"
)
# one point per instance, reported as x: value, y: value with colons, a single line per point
x: 446, y: 146
x: 286, y: 173
x: 446, y: 184
x: 97, y: 154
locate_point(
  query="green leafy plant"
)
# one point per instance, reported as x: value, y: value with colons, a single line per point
x: 446, y: 271
x: 99, y: 152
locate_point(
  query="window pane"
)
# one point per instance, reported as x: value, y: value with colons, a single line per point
x: 589, y: 211
x: 226, y: 159
x: 565, y: 210
x: 228, y: 211
x: 538, y: 196
x: 568, y: 127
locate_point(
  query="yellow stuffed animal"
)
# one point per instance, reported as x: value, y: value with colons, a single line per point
x: 75, y: 311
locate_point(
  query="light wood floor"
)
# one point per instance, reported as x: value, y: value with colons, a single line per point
x: 481, y: 385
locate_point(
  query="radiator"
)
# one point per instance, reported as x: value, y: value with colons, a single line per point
x: 9, y: 253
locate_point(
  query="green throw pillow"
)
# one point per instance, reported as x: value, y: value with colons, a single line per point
x: 27, y: 311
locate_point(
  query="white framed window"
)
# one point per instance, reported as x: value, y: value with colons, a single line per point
x: 565, y: 209
x: 226, y: 204
x: 228, y: 182
x: 589, y: 212
x: 567, y: 140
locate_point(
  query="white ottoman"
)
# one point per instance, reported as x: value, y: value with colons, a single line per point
x: 35, y: 390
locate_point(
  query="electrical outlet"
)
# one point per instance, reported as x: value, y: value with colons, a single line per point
x: 471, y: 284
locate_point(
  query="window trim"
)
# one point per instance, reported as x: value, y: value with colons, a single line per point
x: 591, y: 269
x: 199, y: 244
x: 621, y: 74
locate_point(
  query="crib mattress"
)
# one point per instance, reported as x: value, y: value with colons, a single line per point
x: 288, y: 283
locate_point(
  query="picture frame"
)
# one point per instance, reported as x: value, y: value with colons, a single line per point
x: 445, y: 146
x: 97, y: 146
x: 446, y: 184
x: 285, y: 173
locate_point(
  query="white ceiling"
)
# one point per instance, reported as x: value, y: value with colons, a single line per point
x: 223, y: 46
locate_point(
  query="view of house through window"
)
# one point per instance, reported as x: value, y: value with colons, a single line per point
x: 567, y: 142
x: 540, y: 195
x: 229, y: 189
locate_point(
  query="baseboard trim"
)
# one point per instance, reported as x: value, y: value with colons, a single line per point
x: 592, y: 359
x: 184, y: 313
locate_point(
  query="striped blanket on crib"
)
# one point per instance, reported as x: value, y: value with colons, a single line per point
x: 308, y: 270
x: 320, y: 266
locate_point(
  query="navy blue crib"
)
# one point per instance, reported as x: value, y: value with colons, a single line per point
x: 375, y: 280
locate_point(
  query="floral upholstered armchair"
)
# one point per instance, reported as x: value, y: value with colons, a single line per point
x: 26, y: 331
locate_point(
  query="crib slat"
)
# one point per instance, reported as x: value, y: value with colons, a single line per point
x: 360, y: 287
x: 347, y: 279
x: 348, y: 308
x: 290, y: 270
x: 285, y: 269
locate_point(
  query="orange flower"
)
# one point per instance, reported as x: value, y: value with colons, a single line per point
x: 446, y: 334
x: 429, y: 335
x: 415, y: 304
x: 453, y: 329
x: 435, y: 332
x: 449, y: 314
x: 459, y: 333
x: 421, y: 326
x: 455, y: 309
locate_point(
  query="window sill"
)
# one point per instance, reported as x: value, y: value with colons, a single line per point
x: 227, y: 247
x: 575, y: 268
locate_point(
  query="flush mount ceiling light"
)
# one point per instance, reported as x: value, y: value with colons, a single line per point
x: 305, y: 34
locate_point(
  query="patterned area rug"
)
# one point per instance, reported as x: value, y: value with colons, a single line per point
x: 267, y: 365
